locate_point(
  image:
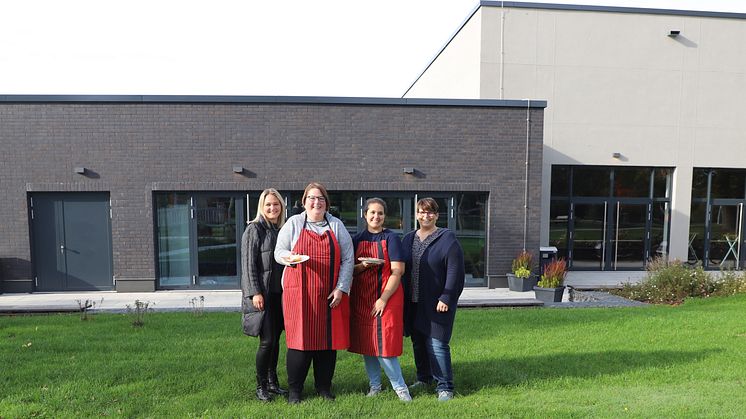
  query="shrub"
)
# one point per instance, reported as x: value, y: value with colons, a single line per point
x: 522, y: 263
x: 670, y: 283
x: 554, y: 274
x: 730, y: 283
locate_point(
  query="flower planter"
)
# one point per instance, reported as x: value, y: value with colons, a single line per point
x: 549, y: 295
x: 521, y: 284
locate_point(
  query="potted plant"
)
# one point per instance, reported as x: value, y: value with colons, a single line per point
x: 521, y: 279
x: 551, y: 285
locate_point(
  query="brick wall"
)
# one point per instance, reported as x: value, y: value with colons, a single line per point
x: 133, y: 149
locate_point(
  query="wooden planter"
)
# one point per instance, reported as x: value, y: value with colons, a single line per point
x: 549, y: 295
x: 521, y: 284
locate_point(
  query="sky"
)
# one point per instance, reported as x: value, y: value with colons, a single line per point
x: 237, y: 47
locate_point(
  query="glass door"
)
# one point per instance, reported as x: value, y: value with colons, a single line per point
x: 629, y: 236
x: 588, y: 235
x: 609, y: 234
x: 724, y: 236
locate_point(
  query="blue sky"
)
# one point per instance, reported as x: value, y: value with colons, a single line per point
x: 236, y: 47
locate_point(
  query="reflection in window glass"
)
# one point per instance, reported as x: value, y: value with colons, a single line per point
x: 659, y: 229
x: 173, y: 239
x: 471, y: 225
x: 560, y: 181
x: 344, y: 206
x: 662, y: 183
x: 590, y: 181
x: 216, y: 239
x: 724, y: 236
x: 558, y: 218
x: 699, y: 183
x: 728, y: 184
x: 696, y: 246
x: 633, y: 182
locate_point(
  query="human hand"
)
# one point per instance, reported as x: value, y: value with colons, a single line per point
x: 336, y: 297
x: 441, y: 307
x: 378, y: 308
x: 258, y: 302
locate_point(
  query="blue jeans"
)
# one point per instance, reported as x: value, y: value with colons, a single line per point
x: 432, y: 358
x: 390, y: 366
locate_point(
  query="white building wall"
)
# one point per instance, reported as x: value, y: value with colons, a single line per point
x: 616, y: 82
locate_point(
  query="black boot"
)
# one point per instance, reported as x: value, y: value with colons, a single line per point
x: 262, y: 393
x: 273, y: 384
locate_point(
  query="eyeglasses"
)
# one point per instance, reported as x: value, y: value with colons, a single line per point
x: 427, y: 213
x: 315, y: 198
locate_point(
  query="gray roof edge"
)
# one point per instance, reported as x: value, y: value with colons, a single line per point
x: 279, y: 100
x: 611, y: 9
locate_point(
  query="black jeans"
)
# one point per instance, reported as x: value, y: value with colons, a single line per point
x: 298, y: 363
x: 269, y: 337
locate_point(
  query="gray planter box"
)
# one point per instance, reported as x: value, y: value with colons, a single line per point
x: 521, y: 284
x: 549, y: 295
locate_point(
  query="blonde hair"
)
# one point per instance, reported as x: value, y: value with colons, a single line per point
x: 260, y: 205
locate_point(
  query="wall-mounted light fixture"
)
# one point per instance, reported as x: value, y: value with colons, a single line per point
x: 80, y: 170
x: 409, y: 170
x: 617, y: 155
x: 237, y: 169
x: 674, y: 34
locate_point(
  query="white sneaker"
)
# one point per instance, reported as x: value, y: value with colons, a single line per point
x: 373, y: 391
x: 444, y: 396
x: 404, y: 395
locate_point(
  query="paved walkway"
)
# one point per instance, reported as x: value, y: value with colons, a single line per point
x: 230, y: 300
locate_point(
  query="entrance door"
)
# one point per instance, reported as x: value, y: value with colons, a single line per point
x: 71, y: 235
x: 609, y: 234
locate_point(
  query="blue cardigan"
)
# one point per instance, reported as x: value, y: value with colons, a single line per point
x: 441, y: 278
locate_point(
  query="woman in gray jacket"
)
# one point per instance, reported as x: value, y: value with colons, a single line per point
x: 261, y: 286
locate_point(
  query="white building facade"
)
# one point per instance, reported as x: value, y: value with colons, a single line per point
x: 644, y: 131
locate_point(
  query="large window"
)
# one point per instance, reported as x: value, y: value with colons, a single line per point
x: 609, y: 218
x: 199, y: 239
x: 199, y: 234
x: 717, y: 218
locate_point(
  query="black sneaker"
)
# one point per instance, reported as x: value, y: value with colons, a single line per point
x: 326, y: 395
x: 293, y: 397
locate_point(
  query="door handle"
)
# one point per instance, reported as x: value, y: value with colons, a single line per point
x: 62, y: 248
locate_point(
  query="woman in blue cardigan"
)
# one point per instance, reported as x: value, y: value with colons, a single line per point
x: 433, y: 281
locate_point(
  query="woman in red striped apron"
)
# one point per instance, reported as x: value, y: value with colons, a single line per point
x: 377, y: 301
x: 318, y: 252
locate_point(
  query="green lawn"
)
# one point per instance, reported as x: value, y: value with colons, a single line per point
x: 661, y: 361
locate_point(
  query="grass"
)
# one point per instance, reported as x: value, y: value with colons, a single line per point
x: 656, y: 361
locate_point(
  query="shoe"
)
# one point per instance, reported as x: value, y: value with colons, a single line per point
x: 404, y: 395
x: 294, y: 398
x: 418, y: 385
x: 273, y: 385
x: 263, y: 395
x: 444, y: 395
x: 326, y: 395
x: 373, y: 391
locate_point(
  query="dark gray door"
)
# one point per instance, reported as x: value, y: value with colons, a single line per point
x: 72, y: 241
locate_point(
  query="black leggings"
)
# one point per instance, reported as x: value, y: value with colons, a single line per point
x: 298, y: 362
x: 269, y: 337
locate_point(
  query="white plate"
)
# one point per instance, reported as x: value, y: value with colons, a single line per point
x: 303, y: 258
x: 374, y: 261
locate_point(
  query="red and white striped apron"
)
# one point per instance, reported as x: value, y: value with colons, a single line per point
x: 310, y: 324
x: 369, y: 335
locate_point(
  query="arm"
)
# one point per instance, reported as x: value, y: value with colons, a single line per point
x: 284, y: 244
x: 347, y: 259
x: 251, y: 278
x: 397, y: 268
x: 454, y: 267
